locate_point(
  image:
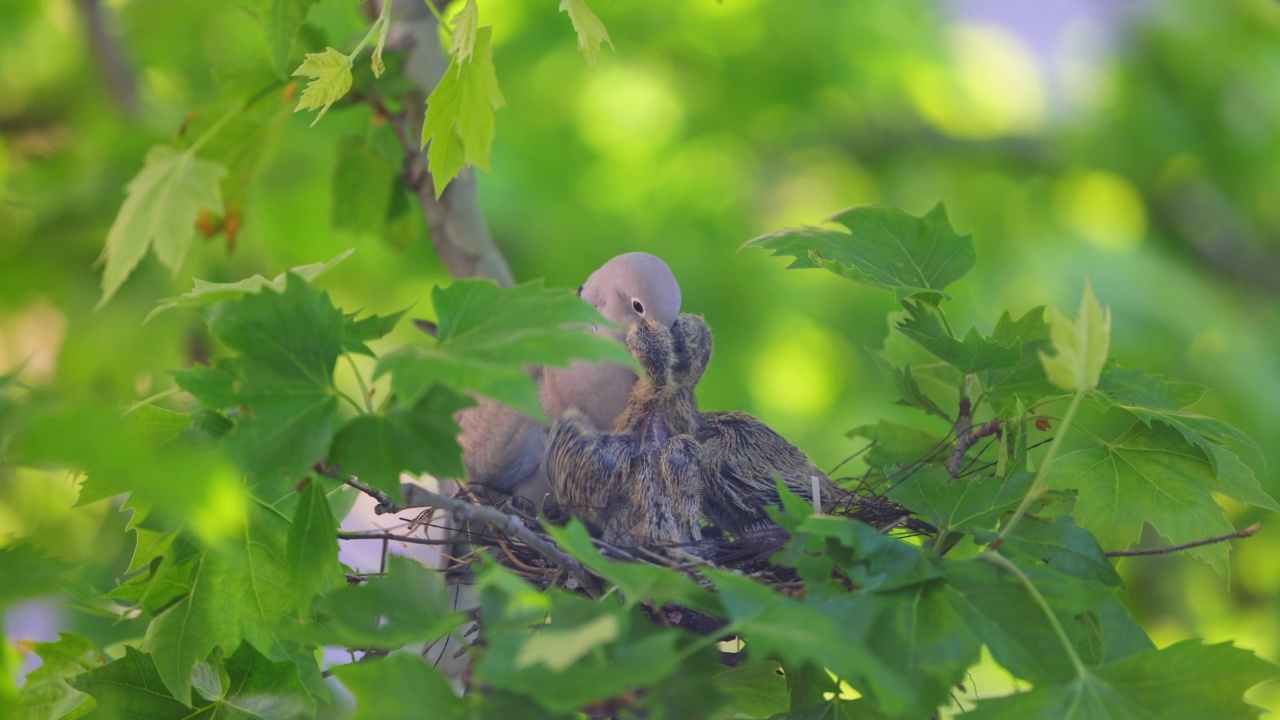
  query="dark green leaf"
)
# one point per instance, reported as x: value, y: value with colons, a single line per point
x: 885, y: 248
x: 867, y: 557
x: 130, y: 687
x: 973, y: 354
x: 408, y: 604
x: 1063, y: 546
x: 909, y: 391
x: 755, y: 689
x: 488, y: 335
x: 311, y: 549
x: 1025, y: 381
x: 1186, y: 681
x: 288, y: 344
x: 422, y: 438
x: 1147, y: 475
x: 358, y: 332
x: 897, y: 444
x: 363, y: 180
x: 968, y: 504
x: 28, y: 571
x: 401, y: 686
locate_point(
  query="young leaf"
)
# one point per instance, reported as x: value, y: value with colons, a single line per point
x: 418, y: 438
x: 1080, y: 347
x: 399, y: 687
x: 159, y: 211
x: 488, y: 335
x: 208, y: 293
x: 591, y: 31
x: 330, y: 73
x: 1186, y: 680
x: 885, y: 248
x: 465, y: 25
x: 280, y: 20
x: 1146, y: 475
x: 459, y: 125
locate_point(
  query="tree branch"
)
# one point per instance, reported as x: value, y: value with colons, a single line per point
x: 458, y: 231
x: 967, y: 437
x: 1247, y: 532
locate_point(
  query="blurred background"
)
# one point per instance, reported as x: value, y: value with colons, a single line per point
x: 1135, y: 144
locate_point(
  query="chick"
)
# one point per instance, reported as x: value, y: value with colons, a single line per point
x: 641, y: 483
x: 740, y: 455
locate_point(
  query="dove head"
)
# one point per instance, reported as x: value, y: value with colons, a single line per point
x: 633, y: 287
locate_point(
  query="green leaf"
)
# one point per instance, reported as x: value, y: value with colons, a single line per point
x: 158, y: 425
x: 254, y: 688
x: 355, y: 333
x: 885, y: 248
x: 280, y: 20
x: 208, y: 293
x: 288, y: 344
x: 159, y: 212
x: 363, y: 182
x: 1080, y: 347
x: 1063, y: 546
x: 1186, y: 681
x: 465, y: 25
x: 561, y: 645
x: 755, y: 689
x: 330, y: 73
x: 898, y: 444
x: 1152, y: 398
x: 31, y: 573
x: 460, y: 125
x: 965, y: 504
x: 973, y: 354
x: 488, y: 335
x: 240, y: 591
x: 591, y: 32
x: 311, y: 548
x: 796, y: 634
x: 417, y: 439
x: 401, y: 686
x: 1025, y: 382
x: 47, y: 693
x: 1146, y: 475
x: 410, y: 603
x: 910, y: 392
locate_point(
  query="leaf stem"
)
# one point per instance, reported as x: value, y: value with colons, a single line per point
x: 995, y: 558
x: 213, y: 129
x: 379, y: 28
x: 1037, y: 485
x: 364, y: 389
x: 439, y: 17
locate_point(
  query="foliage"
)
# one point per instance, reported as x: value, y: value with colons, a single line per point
x: 231, y: 581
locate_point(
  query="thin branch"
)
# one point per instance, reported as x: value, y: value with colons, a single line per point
x: 385, y: 503
x: 1247, y: 532
x: 395, y: 538
x: 967, y: 437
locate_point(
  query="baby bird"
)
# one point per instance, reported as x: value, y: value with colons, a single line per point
x: 641, y: 483
x: 740, y: 455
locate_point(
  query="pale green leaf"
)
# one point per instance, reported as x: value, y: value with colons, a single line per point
x: 465, y: 25
x: 330, y: 73
x: 559, y: 647
x: 46, y: 693
x: 459, y: 127
x: 159, y: 212
x: 208, y: 293
x: 1080, y: 347
x: 399, y: 687
x: 591, y: 32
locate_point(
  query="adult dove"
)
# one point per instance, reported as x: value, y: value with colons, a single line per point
x: 502, y: 448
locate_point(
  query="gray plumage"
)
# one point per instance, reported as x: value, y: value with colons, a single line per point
x: 641, y: 483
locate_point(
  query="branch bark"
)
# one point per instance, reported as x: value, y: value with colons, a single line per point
x: 458, y: 231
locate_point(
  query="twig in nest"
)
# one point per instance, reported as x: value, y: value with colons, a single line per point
x: 1247, y: 532
x: 385, y: 504
x: 966, y: 436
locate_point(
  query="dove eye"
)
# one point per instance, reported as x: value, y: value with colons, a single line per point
x: 637, y: 306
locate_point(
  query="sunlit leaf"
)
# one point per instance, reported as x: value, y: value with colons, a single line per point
x: 159, y: 212
x: 459, y: 128
x: 1188, y: 680
x: 591, y: 32
x: 1147, y: 475
x: 208, y: 293
x: 885, y: 248
x: 488, y: 335
x: 465, y: 25
x: 1079, y: 346
x: 330, y: 73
